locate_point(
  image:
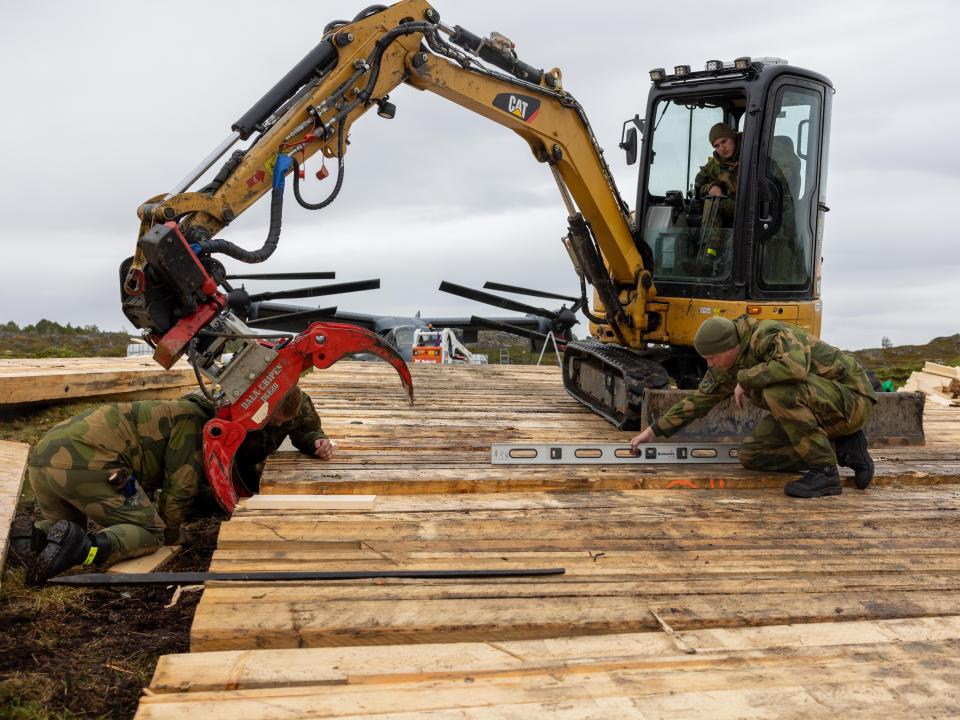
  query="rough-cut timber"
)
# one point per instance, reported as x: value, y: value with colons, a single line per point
x: 442, y: 443
x: 51, y: 380
x: 892, y: 669
x: 677, y: 602
x: 699, y: 559
x: 13, y: 463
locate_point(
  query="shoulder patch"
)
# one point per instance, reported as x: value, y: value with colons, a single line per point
x: 710, y: 383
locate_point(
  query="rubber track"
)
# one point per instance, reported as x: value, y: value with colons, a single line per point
x: 637, y: 368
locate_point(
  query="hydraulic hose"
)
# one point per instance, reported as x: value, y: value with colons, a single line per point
x: 368, y: 11
x: 336, y: 188
x: 216, y: 245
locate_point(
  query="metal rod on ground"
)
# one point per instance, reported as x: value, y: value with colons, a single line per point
x: 196, y: 578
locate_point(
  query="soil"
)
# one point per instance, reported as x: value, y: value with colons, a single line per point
x: 78, y: 652
x: 88, y: 653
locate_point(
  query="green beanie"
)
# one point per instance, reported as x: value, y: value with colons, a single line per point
x: 716, y: 335
x: 722, y: 130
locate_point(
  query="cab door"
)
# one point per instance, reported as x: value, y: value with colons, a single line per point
x: 791, y: 190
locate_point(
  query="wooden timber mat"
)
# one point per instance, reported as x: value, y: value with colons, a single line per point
x: 49, y: 380
x: 900, y: 668
x: 13, y: 463
x: 695, y: 560
x: 744, y: 602
x: 442, y: 443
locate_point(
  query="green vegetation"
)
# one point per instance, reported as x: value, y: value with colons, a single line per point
x: 896, y: 363
x: 49, y: 339
x: 491, y: 343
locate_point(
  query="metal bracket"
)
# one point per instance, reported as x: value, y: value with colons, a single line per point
x: 613, y: 454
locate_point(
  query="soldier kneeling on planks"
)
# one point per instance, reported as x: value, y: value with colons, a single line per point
x: 818, y: 397
x: 106, y: 464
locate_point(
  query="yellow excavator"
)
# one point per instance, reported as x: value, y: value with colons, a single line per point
x: 653, y: 281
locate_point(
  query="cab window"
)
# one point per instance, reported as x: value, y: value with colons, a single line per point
x: 789, y: 197
x: 690, y: 229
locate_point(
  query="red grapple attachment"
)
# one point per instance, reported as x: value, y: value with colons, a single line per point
x: 335, y: 340
x: 320, y: 346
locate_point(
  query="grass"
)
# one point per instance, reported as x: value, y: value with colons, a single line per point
x: 53, y: 601
x: 29, y: 423
x: 896, y: 363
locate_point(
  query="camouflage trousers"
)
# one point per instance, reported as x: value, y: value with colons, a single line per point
x: 804, y: 417
x: 132, y: 523
x: 717, y: 215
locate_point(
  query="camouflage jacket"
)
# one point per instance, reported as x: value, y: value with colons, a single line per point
x: 771, y: 352
x: 717, y: 171
x: 303, y: 431
x: 161, y: 444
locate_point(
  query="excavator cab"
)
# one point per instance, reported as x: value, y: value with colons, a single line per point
x: 756, y: 238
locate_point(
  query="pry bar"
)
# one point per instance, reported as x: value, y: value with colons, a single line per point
x: 199, y: 578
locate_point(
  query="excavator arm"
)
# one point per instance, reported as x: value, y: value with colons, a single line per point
x: 174, y: 287
x: 352, y: 70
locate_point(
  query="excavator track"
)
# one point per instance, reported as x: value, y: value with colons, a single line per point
x: 611, y: 380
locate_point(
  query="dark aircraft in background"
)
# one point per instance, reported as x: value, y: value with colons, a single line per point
x: 261, y: 311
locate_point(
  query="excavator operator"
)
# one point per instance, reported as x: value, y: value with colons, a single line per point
x: 716, y: 185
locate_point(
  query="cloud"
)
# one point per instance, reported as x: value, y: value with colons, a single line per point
x: 114, y: 102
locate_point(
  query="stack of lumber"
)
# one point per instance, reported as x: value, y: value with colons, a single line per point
x: 684, y: 603
x: 52, y: 380
x: 940, y: 383
x: 13, y: 463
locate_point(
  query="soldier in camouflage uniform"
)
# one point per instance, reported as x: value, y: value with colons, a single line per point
x: 104, y: 464
x: 716, y: 184
x: 816, y: 396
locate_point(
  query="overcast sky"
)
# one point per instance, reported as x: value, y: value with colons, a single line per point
x: 107, y: 103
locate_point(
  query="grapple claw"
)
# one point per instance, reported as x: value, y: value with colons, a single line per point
x: 334, y: 341
x: 221, y: 440
x: 320, y: 346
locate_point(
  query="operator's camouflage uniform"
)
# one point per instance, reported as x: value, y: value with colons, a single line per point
x: 723, y: 173
x: 813, y: 392
x: 103, y: 463
x: 782, y: 259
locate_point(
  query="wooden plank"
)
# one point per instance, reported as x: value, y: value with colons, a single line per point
x: 705, y: 560
x: 13, y: 463
x: 306, y: 503
x: 905, y: 673
x: 146, y: 563
x: 417, y: 475
x: 26, y: 381
x: 947, y: 371
x: 248, y: 669
x: 442, y: 444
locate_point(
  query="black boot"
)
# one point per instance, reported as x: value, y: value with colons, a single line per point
x: 852, y: 453
x: 816, y: 483
x: 68, y: 544
x: 26, y: 541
